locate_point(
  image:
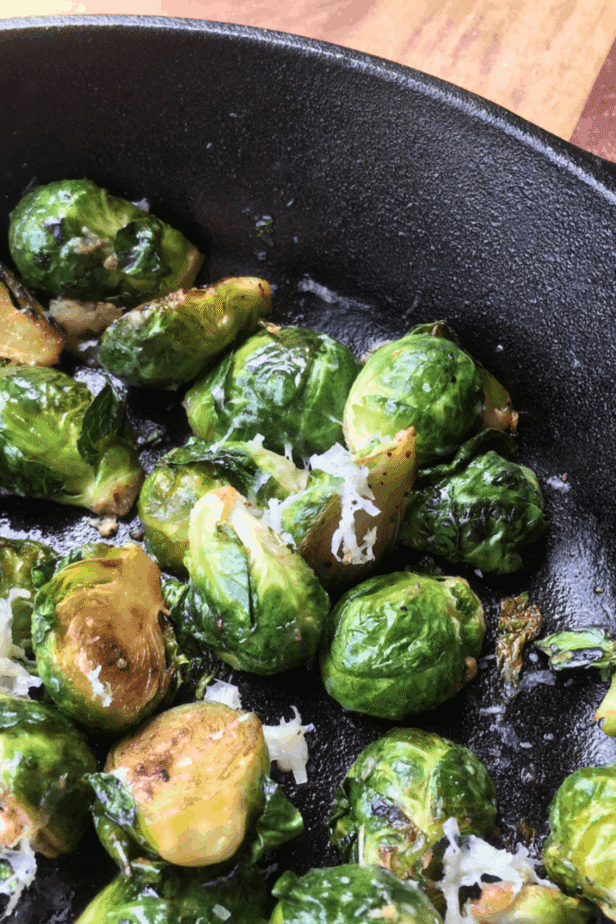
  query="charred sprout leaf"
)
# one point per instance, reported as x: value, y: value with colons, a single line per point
x: 157, y: 893
x: 390, y: 807
x: 257, y: 604
x: 190, y: 787
x: 421, y: 381
x: 43, y: 794
x: 19, y: 558
x: 104, y: 647
x: 288, y: 384
x: 481, y: 508
x: 347, y: 894
x: 48, y: 421
x: 519, y: 623
x: 171, y: 340
x: 26, y: 336
x: 188, y: 472
x: 579, y: 852
x: 587, y: 648
x: 401, y: 643
x: 511, y: 892
x: 72, y: 238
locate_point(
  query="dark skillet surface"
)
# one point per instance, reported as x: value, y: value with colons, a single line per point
x: 395, y: 199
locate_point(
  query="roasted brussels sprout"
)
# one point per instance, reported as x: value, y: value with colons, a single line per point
x: 584, y: 648
x: 104, y: 647
x: 43, y: 794
x: 401, y: 643
x: 350, y: 893
x: 481, y: 508
x: 185, y: 474
x: 59, y: 442
x: 191, y: 786
x: 288, y: 384
x: 71, y: 237
x: 157, y: 893
x: 420, y: 380
x: 253, y: 601
x: 580, y: 849
x: 390, y: 807
x: 24, y: 565
x: 173, y: 339
x: 26, y: 336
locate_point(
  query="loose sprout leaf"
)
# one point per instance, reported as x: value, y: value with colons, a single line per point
x: 279, y: 822
x: 519, y: 623
x: 115, y: 801
x: 103, y: 420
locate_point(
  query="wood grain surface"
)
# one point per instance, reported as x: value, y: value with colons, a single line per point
x: 545, y: 60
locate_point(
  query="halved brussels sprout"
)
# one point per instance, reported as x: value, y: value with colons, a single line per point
x: 191, y: 786
x: 59, y: 442
x: 104, y: 647
x: 421, y: 381
x: 173, y: 339
x: 253, y: 601
x: 481, y: 508
x: 401, y: 643
x: 185, y: 474
x: 26, y: 336
x: 157, y: 893
x: 43, y: 794
x: 71, y: 237
x: 24, y: 565
x: 348, y: 894
x: 288, y: 384
x: 580, y: 849
x: 390, y: 807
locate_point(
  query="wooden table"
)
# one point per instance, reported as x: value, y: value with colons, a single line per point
x: 551, y: 61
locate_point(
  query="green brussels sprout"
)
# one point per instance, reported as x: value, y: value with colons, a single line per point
x: 104, y: 647
x: 173, y: 339
x: 253, y: 601
x: 186, y: 473
x: 43, y: 794
x: 480, y: 508
x: 59, y: 442
x: 26, y: 336
x: 585, y: 648
x: 390, y: 807
x: 156, y: 893
x: 191, y: 786
x: 420, y: 380
x: 24, y: 565
x: 400, y: 643
x: 579, y: 852
x: 288, y: 384
x: 349, y: 893
x: 71, y: 237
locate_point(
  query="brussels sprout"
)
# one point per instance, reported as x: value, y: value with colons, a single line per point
x: 350, y: 893
x: 253, y: 601
x: 24, y: 565
x: 171, y: 340
x: 191, y: 787
x: 26, y: 336
x: 59, y: 442
x: 587, y: 648
x: 71, y: 237
x: 481, y: 508
x: 157, y: 893
x: 390, y: 808
x: 43, y: 760
x: 104, y: 647
x: 287, y: 383
x: 579, y: 852
x: 188, y: 472
x: 420, y: 380
x: 401, y: 643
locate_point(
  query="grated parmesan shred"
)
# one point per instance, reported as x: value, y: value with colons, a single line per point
x: 14, y: 678
x: 23, y: 865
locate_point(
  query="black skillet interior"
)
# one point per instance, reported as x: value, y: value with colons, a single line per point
x: 394, y: 199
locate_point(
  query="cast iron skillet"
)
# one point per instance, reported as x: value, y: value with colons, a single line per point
x: 395, y: 199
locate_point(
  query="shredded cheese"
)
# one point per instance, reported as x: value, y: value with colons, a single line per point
x: 14, y: 678
x: 23, y: 865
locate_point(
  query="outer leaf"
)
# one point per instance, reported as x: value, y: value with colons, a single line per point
x: 103, y: 420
